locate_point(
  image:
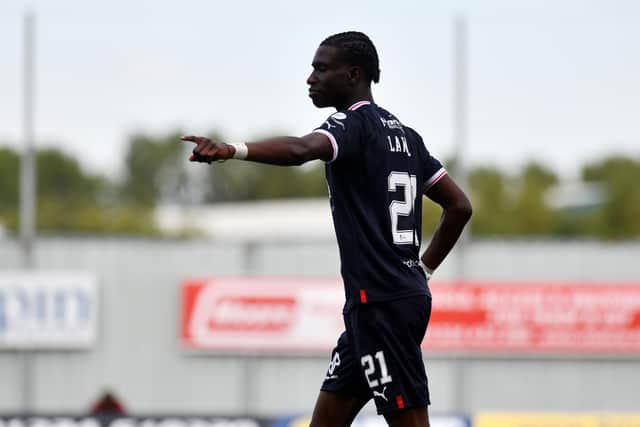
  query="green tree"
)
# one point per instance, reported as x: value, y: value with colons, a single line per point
x: 9, y: 187
x: 252, y: 181
x: 531, y: 214
x: 60, y: 178
x: 492, y: 202
x: 155, y: 169
x: 69, y: 200
x: 619, y: 214
x: 9, y: 177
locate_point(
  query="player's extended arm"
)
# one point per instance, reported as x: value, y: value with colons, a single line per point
x: 456, y: 211
x: 283, y: 151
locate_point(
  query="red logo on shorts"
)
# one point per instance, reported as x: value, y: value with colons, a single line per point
x: 363, y: 296
x: 399, y: 402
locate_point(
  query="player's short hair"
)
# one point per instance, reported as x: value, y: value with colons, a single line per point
x: 357, y: 49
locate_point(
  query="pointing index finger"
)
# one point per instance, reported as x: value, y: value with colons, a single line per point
x: 190, y: 138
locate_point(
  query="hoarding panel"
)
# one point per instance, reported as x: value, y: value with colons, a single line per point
x: 41, y: 310
x: 304, y: 315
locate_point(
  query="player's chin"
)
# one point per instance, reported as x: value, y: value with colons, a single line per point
x: 318, y: 100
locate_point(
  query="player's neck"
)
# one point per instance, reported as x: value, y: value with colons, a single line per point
x: 358, y: 96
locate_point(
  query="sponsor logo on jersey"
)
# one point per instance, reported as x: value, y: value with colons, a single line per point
x: 391, y: 123
x: 339, y: 116
x: 411, y: 263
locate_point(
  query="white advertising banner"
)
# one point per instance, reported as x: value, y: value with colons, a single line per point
x: 47, y: 310
x: 262, y: 314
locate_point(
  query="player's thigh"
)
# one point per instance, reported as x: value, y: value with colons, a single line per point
x: 344, y: 375
x: 336, y: 409
x: 386, y: 339
x: 411, y: 417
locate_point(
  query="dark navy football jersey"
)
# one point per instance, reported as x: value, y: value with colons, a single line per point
x: 376, y: 179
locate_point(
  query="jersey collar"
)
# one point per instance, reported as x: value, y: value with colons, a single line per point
x: 358, y: 105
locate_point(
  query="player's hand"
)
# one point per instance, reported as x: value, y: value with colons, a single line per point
x: 207, y: 151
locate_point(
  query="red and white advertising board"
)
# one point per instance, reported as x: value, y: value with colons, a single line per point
x: 304, y: 315
x: 573, y: 318
x: 261, y: 314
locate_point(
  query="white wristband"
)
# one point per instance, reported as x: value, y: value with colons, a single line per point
x: 241, y: 151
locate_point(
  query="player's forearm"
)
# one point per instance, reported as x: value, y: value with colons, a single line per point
x: 446, y: 235
x: 283, y: 151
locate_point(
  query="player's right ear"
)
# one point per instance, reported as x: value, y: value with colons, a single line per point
x: 356, y: 74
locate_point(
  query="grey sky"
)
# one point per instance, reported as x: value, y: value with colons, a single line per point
x: 556, y: 81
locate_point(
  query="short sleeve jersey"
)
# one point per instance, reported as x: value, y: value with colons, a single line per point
x: 376, y: 178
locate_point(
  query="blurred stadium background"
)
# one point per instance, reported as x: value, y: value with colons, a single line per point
x: 210, y: 296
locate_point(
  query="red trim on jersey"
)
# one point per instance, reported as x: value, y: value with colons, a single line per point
x: 435, y: 178
x: 358, y: 105
x: 363, y: 296
x: 400, y: 401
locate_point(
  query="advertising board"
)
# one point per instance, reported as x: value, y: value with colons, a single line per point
x: 40, y: 310
x: 372, y: 420
x: 259, y: 314
x: 542, y: 419
x: 304, y: 315
x: 134, y: 421
x: 540, y: 317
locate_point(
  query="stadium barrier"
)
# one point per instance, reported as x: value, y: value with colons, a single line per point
x: 541, y: 419
x: 371, y: 420
x: 482, y: 419
x: 61, y: 420
x: 275, y: 315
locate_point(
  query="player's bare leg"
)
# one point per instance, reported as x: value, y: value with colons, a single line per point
x: 335, y: 410
x: 412, y: 417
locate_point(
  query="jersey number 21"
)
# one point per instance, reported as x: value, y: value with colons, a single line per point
x: 404, y: 207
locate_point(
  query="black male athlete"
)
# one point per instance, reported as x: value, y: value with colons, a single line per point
x: 377, y: 170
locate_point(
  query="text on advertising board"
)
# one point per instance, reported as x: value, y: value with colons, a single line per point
x: 282, y: 315
x: 47, y: 310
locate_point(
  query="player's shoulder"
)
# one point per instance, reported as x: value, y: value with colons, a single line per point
x: 413, y: 135
x: 347, y: 115
x: 359, y: 111
x: 385, y: 119
x: 412, y: 132
x: 343, y: 122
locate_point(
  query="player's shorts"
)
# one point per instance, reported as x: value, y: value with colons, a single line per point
x: 379, y: 355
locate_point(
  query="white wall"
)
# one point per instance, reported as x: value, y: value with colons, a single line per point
x: 138, y: 355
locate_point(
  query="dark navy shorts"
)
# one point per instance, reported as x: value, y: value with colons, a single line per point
x: 379, y: 355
